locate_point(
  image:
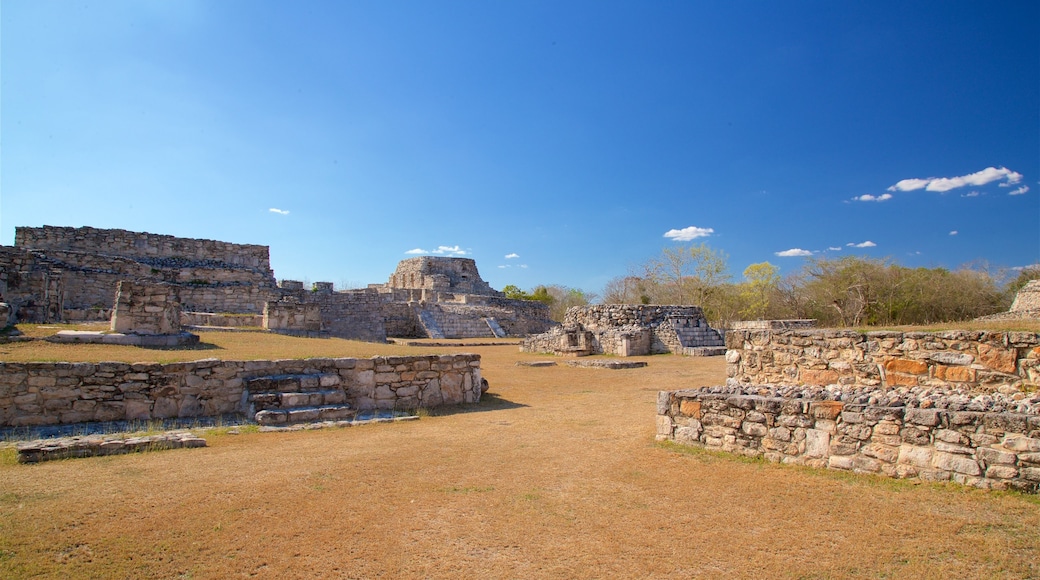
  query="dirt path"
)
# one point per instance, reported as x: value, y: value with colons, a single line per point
x: 556, y: 476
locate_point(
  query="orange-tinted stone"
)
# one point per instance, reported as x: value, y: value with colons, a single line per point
x: 820, y: 378
x: 905, y: 365
x: 690, y: 408
x: 998, y: 359
x: 898, y: 380
x: 826, y: 409
x: 955, y: 374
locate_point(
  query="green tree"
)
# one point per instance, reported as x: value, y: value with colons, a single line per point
x: 756, y: 293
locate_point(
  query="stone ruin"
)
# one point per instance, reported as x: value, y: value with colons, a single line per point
x: 435, y: 297
x: 630, y: 330
x: 1027, y: 300
x: 64, y: 274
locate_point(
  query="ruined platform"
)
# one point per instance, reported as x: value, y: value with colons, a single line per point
x: 150, y: 340
x: 606, y: 364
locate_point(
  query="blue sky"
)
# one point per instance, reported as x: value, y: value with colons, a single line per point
x: 553, y: 142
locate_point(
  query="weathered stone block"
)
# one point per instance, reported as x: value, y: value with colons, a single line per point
x: 956, y: 463
x: 916, y: 455
x: 907, y: 366
x: 998, y: 359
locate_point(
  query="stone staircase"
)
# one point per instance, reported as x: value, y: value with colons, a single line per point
x: 429, y: 323
x: 495, y: 328
x: 696, y: 338
x: 302, y: 398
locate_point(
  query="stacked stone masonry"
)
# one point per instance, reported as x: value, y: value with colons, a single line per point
x: 627, y: 330
x: 54, y: 393
x: 1028, y: 298
x: 974, y: 361
x: 75, y: 270
x: 985, y: 450
x: 146, y: 309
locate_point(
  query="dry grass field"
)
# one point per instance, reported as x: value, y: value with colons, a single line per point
x: 555, y: 474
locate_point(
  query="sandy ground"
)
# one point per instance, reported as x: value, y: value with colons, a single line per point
x: 554, y: 475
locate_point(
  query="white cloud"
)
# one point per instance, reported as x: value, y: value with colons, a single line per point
x: 910, y: 185
x: 503, y: 266
x: 1019, y: 191
x: 523, y: 265
x: 441, y: 250
x: 793, y: 253
x: 279, y: 211
x: 834, y: 248
x: 943, y: 184
x: 868, y: 197
x: 866, y: 244
x: 970, y: 194
x: 453, y: 250
x: 511, y: 256
x: 690, y: 233
x: 954, y: 232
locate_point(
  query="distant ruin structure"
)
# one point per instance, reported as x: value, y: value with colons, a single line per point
x: 630, y: 330
x: 1025, y: 307
x: 64, y: 274
x: 437, y: 297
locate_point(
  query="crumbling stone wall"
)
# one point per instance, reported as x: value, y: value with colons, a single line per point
x: 210, y: 276
x: 34, y: 290
x: 351, y: 314
x: 983, y: 449
x: 972, y: 360
x: 142, y: 308
x: 117, y: 242
x: 53, y: 393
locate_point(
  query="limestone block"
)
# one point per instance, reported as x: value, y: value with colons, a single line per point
x: 1002, y: 471
x: 956, y: 463
x: 885, y: 453
x: 1022, y: 444
x: 817, y: 443
x: 916, y: 455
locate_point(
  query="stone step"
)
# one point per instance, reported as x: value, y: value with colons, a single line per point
x: 288, y: 400
x: 304, y: 415
x: 292, y: 383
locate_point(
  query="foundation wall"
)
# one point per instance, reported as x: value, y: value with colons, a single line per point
x: 976, y: 361
x: 53, y: 393
x: 985, y: 450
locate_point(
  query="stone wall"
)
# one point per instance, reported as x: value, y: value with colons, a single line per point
x: 969, y: 360
x: 52, y: 393
x: 145, y: 309
x: 982, y: 449
x: 292, y: 317
x: 85, y: 264
x: 142, y: 245
x: 35, y: 291
x: 350, y: 314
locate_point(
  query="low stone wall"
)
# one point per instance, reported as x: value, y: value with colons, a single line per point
x: 227, y: 320
x: 967, y: 360
x: 52, y: 393
x: 985, y: 450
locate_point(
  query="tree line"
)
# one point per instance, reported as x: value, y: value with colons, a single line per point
x: 847, y: 291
